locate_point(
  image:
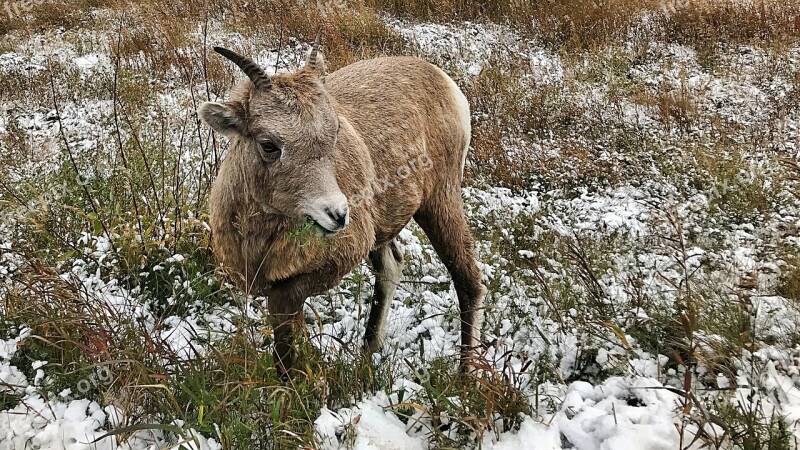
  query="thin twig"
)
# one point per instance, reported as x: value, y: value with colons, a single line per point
x: 118, y: 133
x: 72, y: 157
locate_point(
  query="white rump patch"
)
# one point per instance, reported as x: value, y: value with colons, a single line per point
x: 463, y: 112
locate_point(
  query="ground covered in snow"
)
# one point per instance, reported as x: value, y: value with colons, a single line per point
x: 639, y: 270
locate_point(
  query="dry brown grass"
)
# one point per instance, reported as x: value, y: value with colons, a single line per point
x: 789, y: 285
x: 355, y: 24
x: 525, y: 133
x: 585, y: 24
x: 34, y: 16
x: 573, y: 24
x: 445, y: 10
x: 496, y: 99
x: 154, y: 39
x: 158, y: 32
x: 677, y: 107
x: 704, y: 24
x: 351, y: 33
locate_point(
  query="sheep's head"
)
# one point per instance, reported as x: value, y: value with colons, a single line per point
x: 283, y: 132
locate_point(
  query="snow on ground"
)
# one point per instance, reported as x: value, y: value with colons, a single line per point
x: 62, y: 423
x: 633, y: 410
x: 591, y: 417
x: 469, y: 46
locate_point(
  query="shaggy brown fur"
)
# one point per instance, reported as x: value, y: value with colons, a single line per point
x: 390, y: 135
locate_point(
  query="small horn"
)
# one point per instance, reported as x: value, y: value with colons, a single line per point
x: 312, y: 57
x: 253, y: 71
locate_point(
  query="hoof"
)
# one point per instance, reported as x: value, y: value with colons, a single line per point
x: 371, y: 347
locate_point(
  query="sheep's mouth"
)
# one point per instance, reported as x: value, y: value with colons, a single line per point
x: 326, y: 232
x: 321, y: 229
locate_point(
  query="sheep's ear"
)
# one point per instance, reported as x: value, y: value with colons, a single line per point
x: 225, y: 118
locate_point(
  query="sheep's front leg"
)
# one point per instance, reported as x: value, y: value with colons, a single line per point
x: 285, y: 304
x: 285, y: 317
x: 387, y: 262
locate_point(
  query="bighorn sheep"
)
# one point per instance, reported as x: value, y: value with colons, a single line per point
x: 323, y: 171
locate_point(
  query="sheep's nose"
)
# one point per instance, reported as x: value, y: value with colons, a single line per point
x: 338, y: 215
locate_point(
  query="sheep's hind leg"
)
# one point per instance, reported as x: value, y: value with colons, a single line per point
x: 387, y: 262
x: 444, y: 223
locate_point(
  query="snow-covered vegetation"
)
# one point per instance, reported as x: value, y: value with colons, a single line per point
x: 633, y: 189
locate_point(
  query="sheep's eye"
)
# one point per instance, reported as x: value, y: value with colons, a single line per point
x: 269, y: 151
